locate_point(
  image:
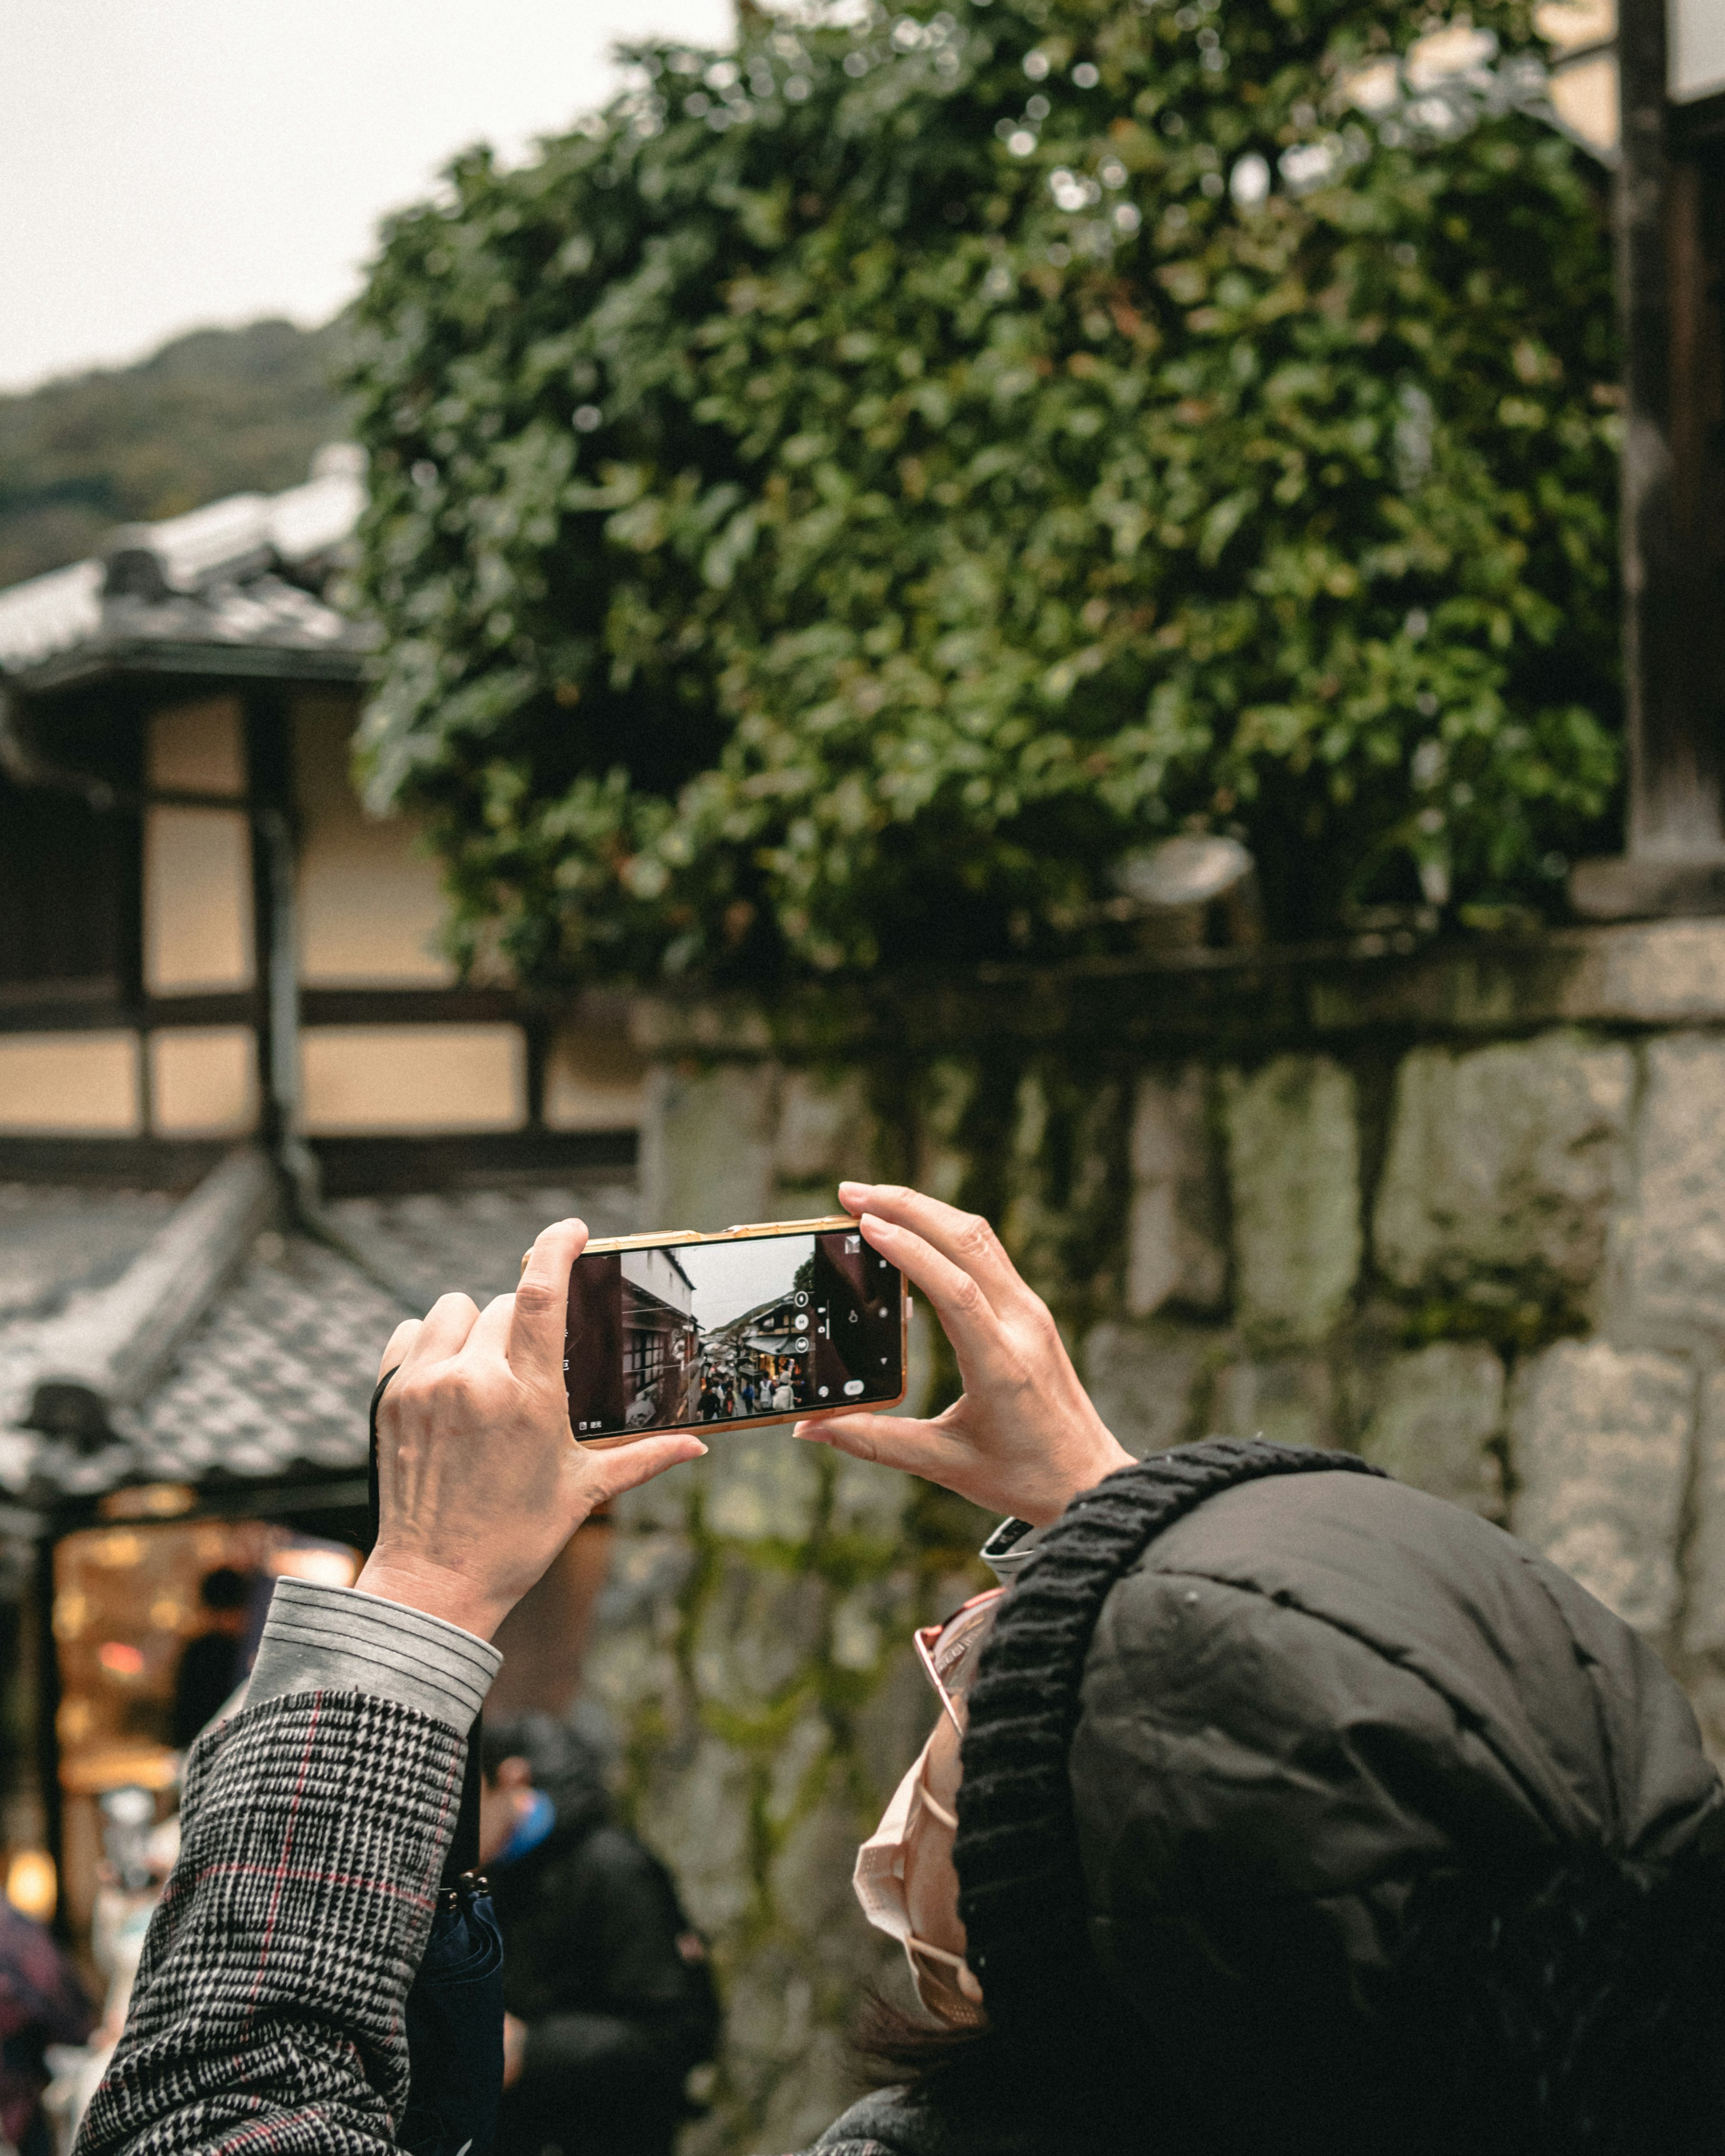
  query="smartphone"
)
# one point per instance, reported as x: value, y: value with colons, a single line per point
x: 682, y: 1331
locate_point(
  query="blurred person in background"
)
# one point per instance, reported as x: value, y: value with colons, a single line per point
x: 213, y: 1663
x: 610, y: 1999
x: 42, y: 2003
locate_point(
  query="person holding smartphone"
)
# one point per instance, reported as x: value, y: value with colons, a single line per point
x: 1268, y: 1805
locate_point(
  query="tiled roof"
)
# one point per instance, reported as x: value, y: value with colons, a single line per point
x: 232, y: 573
x: 273, y: 1381
x: 53, y: 1242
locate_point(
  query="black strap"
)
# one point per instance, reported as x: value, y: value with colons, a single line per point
x: 464, y: 1848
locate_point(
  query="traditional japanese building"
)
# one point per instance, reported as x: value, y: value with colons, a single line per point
x: 248, y: 1118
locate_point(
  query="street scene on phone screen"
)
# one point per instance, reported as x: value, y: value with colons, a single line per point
x: 714, y: 1332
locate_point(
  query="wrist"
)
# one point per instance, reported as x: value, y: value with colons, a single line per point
x: 436, y: 1590
x: 1106, y: 1456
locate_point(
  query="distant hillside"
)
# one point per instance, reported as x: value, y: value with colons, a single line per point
x: 219, y: 412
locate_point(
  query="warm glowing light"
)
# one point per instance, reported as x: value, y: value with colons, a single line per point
x: 324, y: 1567
x: 120, y: 1659
x: 148, y: 1501
x: 75, y: 1721
x: 31, y: 1884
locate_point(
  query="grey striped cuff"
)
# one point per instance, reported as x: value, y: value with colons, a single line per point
x: 340, y: 1639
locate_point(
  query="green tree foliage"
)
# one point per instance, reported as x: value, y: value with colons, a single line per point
x: 219, y: 412
x: 831, y: 506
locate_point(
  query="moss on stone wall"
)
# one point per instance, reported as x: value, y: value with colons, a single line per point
x: 1492, y: 1268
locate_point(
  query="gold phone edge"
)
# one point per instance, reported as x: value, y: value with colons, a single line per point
x: 663, y: 1238
x: 754, y: 1422
x: 825, y: 1225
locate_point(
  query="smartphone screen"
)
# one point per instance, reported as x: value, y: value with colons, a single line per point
x: 731, y: 1331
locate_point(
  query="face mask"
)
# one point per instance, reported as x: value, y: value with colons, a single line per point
x: 879, y: 1880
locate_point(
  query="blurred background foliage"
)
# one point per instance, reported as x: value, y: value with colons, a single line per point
x: 219, y: 412
x: 830, y: 508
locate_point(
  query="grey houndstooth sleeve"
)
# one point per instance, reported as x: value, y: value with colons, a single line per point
x: 267, y: 2015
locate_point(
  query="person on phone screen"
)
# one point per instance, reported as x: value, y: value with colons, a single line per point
x: 1267, y: 1804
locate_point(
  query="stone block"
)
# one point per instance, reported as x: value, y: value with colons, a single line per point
x: 648, y: 1573
x: 1059, y: 1214
x: 695, y: 1814
x: 826, y: 1129
x: 1504, y: 1161
x: 758, y: 1632
x: 1293, y: 1175
x: 761, y: 1486
x: 1704, y: 1596
x: 1148, y: 1382
x: 1291, y: 1401
x: 1177, y: 1245
x: 707, y: 1144
x: 919, y: 1360
x: 1437, y: 1414
x: 788, y: 2069
x: 868, y: 1499
x: 662, y: 1505
x: 1668, y: 1256
x: 797, y: 1769
x: 943, y: 1099
x: 632, y: 1676
x: 901, y: 1708
x: 1599, y: 1450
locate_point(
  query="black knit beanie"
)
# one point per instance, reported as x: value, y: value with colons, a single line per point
x: 1022, y: 1895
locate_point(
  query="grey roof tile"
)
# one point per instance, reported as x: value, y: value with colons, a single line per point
x: 274, y: 1380
x: 216, y: 578
x: 54, y: 1240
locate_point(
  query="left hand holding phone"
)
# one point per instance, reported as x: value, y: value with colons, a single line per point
x: 481, y: 1482
x: 1023, y: 1437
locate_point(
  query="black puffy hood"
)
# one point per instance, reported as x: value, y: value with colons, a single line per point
x: 1252, y: 1714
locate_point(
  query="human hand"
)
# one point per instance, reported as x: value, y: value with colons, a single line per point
x: 514, y: 2049
x: 1023, y: 1437
x: 480, y: 1482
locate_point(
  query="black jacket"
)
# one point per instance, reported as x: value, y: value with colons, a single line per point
x: 612, y: 1983
x: 1301, y: 1808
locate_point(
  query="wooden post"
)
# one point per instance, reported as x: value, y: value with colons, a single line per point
x: 1672, y: 505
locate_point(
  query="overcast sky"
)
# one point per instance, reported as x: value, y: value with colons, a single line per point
x: 729, y: 1278
x: 169, y: 163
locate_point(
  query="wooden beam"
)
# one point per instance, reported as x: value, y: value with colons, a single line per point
x: 1675, y: 805
x: 1666, y: 216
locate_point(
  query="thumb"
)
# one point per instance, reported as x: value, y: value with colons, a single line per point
x: 923, y: 1447
x: 626, y: 1466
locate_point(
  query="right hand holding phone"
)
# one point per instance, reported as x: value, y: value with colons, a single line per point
x: 481, y: 1482
x: 1023, y: 1437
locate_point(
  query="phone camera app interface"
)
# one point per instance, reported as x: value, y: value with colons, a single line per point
x: 712, y: 1332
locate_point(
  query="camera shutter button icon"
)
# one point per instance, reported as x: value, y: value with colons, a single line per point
x: 853, y: 1388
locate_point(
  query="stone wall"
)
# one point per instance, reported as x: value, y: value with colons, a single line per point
x: 1461, y: 1209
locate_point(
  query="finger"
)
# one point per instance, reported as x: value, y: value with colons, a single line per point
x: 442, y: 1332
x: 400, y: 1341
x: 491, y: 1329
x: 626, y: 1466
x: 964, y: 1240
x: 541, y: 1309
x: 921, y: 1448
x: 968, y: 1318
